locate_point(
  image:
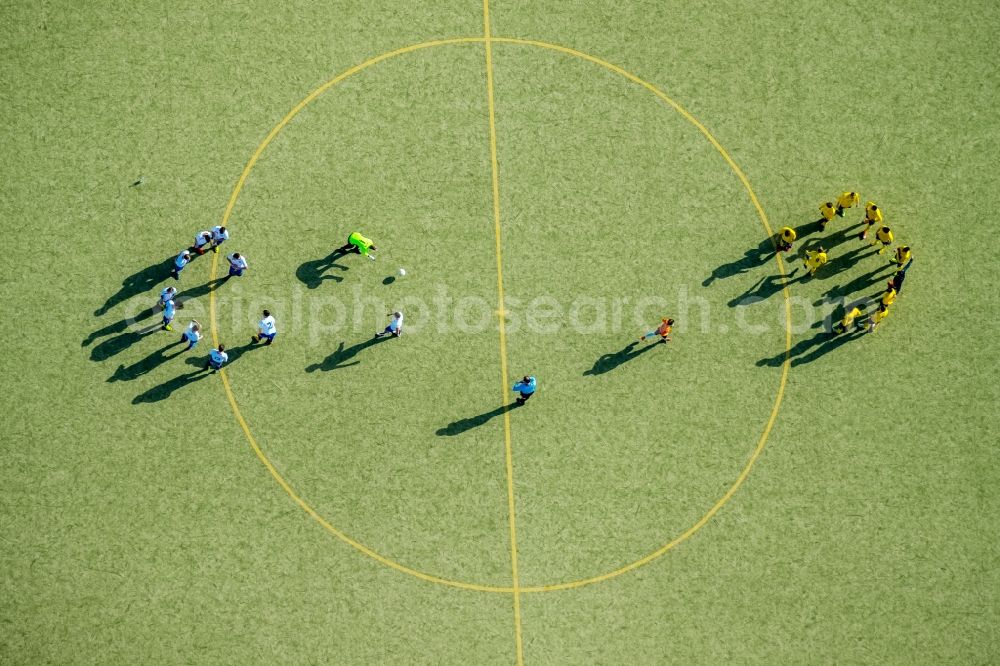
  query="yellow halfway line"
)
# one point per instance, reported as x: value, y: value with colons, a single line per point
x: 502, y: 328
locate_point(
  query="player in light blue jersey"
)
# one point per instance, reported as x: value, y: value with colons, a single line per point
x: 217, y: 358
x: 192, y: 334
x: 168, y: 315
x: 182, y: 260
x: 526, y: 388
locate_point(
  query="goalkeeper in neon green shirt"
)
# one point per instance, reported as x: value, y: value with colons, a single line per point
x: 358, y: 243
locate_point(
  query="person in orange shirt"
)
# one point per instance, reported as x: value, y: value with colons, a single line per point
x: 663, y: 330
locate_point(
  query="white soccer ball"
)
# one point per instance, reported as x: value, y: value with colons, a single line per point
x: 402, y: 272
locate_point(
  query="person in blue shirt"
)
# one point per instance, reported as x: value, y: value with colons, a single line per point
x: 395, y: 327
x: 192, y: 334
x: 168, y: 314
x: 237, y: 264
x: 219, y: 236
x: 182, y: 260
x: 166, y: 294
x: 217, y: 358
x: 526, y: 388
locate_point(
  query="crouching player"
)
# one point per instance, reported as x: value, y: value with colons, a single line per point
x: 266, y: 329
x: 395, y: 327
x: 217, y: 358
x: 786, y: 237
x: 847, y: 323
x: 876, y: 319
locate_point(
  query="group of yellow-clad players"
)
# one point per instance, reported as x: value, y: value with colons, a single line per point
x: 816, y: 258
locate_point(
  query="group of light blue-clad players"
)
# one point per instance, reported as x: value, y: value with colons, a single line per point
x: 204, y: 241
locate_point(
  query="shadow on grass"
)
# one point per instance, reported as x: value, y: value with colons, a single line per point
x: 751, y: 259
x: 117, y: 327
x: 126, y: 373
x: 766, y: 287
x: 843, y: 262
x: 112, y: 346
x: 313, y: 273
x: 859, y: 283
x: 335, y: 361
x: 167, y: 388
x: 807, y: 351
x: 137, y: 283
x: 199, y: 291
x: 465, y: 425
x: 840, y: 237
x: 608, y: 362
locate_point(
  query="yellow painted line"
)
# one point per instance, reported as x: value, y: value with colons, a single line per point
x: 502, y: 328
x: 762, y: 441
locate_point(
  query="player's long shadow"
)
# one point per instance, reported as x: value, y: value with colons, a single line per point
x: 137, y: 283
x: 765, y: 288
x: 118, y: 327
x: 335, y: 361
x: 120, y: 343
x: 166, y: 389
x: 465, y: 425
x: 807, y: 351
x: 857, y: 284
x: 752, y: 258
x: 840, y: 237
x: 199, y: 291
x: 608, y: 362
x: 843, y: 262
x: 313, y: 273
x: 127, y: 373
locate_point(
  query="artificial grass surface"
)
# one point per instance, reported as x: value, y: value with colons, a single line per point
x: 138, y: 525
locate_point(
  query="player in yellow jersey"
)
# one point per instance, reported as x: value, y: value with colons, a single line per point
x: 903, y: 256
x: 847, y: 323
x: 827, y: 211
x: 873, y: 216
x: 847, y: 200
x: 786, y: 237
x: 889, y: 297
x: 814, y: 259
x: 883, y: 236
x: 876, y: 319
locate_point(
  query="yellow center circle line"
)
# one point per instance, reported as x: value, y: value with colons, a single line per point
x: 342, y: 536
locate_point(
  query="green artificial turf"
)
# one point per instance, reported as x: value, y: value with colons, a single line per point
x: 139, y: 525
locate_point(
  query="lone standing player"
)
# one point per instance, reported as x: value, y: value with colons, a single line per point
x: 663, y: 330
x: 525, y: 389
